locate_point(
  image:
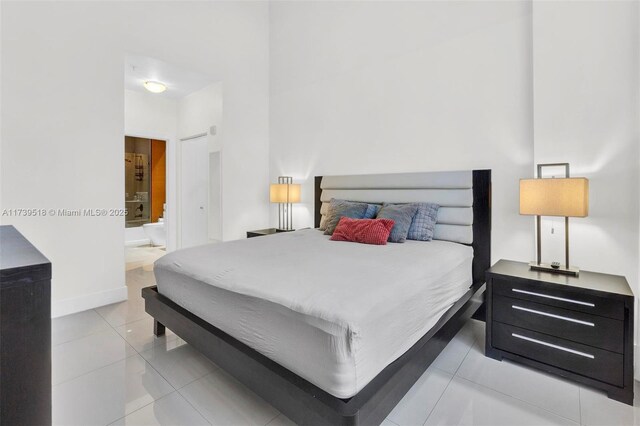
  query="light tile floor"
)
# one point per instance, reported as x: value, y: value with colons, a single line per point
x: 109, y: 368
x: 142, y: 256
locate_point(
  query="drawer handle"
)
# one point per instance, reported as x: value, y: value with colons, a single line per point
x: 577, y: 302
x: 547, y: 314
x: 551, y: 345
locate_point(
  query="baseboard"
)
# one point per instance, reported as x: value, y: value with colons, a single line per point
x: 137, y: 243
x: 72, y: 305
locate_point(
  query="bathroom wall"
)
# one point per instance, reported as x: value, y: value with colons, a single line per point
x: 137, y: 173
x: 158, y: 178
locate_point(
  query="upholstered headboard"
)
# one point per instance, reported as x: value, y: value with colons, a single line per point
x: 464, y: 196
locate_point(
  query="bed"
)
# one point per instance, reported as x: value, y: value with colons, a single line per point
x: 331, y: 332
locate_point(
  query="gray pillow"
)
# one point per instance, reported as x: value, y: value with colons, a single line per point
x: 402, y: 215
x: 323, y: 222
x: 424, y: 222
x: 339, y: 208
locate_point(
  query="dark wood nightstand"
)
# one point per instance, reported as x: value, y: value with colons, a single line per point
x: 268, y: 231
x: 580, y: 328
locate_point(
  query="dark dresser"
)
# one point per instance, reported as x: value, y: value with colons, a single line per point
x: 25, y: 332
x: 580, y: 328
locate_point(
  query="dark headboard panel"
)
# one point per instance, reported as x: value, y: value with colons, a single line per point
x: 481, y: 226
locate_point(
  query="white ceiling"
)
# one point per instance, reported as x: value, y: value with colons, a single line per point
x: 179, y: 82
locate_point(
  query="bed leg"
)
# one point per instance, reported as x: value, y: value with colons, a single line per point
x: 158, y: 328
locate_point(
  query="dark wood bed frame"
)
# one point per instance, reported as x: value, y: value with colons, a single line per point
x: 305, y: 403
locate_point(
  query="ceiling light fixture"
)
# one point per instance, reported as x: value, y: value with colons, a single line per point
x: 155, y: 86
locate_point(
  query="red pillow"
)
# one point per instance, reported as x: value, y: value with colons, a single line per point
x: 367, y: 231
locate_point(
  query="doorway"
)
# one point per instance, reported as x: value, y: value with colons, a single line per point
x: 144, y: 198
x: 200, y: 192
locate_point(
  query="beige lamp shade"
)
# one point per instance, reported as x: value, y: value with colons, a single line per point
x: 567, y: 197
x: 284, y: 193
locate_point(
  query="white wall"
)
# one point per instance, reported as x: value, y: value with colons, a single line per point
x: 150, y: 115
x: 199, y: 111
x: 197, y: 114
x: 383, y: 87
x: 587, y: 112
x: 63, y: 120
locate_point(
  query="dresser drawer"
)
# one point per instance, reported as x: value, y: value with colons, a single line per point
x: 555, y: 295
x: 581, y: 359
x: 592, y: 330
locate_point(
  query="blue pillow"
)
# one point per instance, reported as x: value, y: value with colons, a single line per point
x: 372, y: 211
x: 339, y: 208
x: 402, y: 215
x: 424, y: 222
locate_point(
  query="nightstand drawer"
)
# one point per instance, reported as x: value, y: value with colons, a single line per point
x: 592, y: 330
x: 553, y: 295
x: 581, y: 359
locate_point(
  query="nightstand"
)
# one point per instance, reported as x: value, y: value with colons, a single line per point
x: 580, y: 328
x: 268, y: 231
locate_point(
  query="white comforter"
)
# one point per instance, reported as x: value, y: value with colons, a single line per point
x: 335, y: 313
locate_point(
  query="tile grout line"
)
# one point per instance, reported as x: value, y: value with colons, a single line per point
x: 391, y: 421
x: 183, y: 386
x: 84, y: 335
x: 137, y: 352
x: 161, y: 375
x: 519, y: 399
x: 193, y: 406
x: 94, y: 370
x: 110, y: 327
x: 101, y: 367
x: 580, y: 403
x: 486, y: 387
x: 275, y: 417
x: 271, y: 421
x: 138, y: 409
x: 513, y: 396
x: 450, y: 380
x: 156, y: 400
x: 78, y: 338
x: 475, y: 340
x: 189, y: 402
x: 438, y: 401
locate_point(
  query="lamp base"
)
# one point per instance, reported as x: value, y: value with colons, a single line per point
x: 545, y: 267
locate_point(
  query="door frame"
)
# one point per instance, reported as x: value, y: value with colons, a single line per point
x: 219, y: 212
x: 179, y: 176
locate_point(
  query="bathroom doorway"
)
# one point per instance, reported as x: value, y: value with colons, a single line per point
x: 145, y: 199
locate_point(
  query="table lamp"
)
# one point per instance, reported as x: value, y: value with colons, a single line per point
x: 565, y: 197
x: 285, y: 192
